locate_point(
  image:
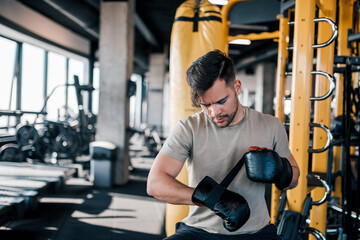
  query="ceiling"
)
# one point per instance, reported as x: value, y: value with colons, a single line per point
x: 153, y: 23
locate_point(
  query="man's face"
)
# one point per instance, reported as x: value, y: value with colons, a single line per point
x: 221, y: 104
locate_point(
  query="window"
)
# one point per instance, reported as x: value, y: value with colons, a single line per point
x: 8, y: 83
x: 32, y: 88
x: 135, y: 102
x: 95, y: 96
x: 41, y: 74
x: 76, y: 67
x: 56, y: 87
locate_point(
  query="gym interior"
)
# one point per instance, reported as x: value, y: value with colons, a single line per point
x: 90, y: 90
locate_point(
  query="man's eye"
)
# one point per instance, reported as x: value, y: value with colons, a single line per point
x: 205, y: 105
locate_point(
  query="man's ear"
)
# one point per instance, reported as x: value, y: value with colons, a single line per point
x: 237, y: 86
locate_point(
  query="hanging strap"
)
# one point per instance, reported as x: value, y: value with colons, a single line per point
x: 232, y: 174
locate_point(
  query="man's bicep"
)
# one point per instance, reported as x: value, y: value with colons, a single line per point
x: 165, y: 164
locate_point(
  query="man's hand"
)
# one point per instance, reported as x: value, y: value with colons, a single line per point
x: 230, y: 206
x: 265, y: 165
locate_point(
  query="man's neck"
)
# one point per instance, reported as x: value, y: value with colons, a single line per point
x: 239, y: 115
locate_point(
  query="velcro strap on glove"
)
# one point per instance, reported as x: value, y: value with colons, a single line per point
x: 207, y: 193
x: 232, y: 174
x: 287, y: 175
x: 214, y: 196
x: 217, y: 190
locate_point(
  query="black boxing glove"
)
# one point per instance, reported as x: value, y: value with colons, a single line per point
x: 230, y: 206
x: 265, y: 165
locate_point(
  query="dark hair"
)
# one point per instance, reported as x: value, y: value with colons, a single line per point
x: 204, y: 71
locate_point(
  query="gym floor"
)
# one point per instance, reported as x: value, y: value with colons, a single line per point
x: 81, y: 211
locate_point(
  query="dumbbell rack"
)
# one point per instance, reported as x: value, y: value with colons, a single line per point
x: 301, y: 99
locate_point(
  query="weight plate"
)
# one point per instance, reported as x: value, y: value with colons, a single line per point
x: 26, y: 135
x: 10, y: 152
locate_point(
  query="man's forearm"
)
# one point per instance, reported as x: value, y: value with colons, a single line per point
x: 167, y: 189
x: 296, y: 174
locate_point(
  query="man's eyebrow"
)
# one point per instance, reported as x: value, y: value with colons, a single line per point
x: 206, y: 104
x: 224, y: 98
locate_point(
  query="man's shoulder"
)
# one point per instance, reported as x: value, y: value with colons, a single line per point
x: 259, y: 116
x: 194, y: 118
x: 193, y: 122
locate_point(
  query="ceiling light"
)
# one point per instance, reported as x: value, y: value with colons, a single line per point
x: 241, y: 42
x: 219, y: 2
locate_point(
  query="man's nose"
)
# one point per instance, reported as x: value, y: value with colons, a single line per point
x: 215, y: 110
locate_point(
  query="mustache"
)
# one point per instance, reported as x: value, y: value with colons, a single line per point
x: 220, y: 116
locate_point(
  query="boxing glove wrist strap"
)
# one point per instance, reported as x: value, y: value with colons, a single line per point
x: 214, y: 196
x: 216, y: 192
x: 232, y: 174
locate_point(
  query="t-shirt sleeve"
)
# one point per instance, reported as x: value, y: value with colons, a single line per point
x: 178, y: 145
x: 281, y: 143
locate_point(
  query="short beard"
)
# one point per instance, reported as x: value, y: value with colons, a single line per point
x: 230, y: 117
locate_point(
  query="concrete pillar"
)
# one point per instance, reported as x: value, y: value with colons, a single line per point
x: 166, y: 107
x: 259, y: 74
x: 269, y: 87
x: 138, y: 104
x: 116, y: 60
x: 156, y: 78
x: 244, y: 97
x: 265, y: 87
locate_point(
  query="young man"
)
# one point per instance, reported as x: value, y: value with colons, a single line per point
x: 211, y: 142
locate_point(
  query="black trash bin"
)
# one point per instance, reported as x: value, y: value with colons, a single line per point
x: 101, y: 166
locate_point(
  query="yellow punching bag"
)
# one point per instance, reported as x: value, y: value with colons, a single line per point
x: 197, y: 29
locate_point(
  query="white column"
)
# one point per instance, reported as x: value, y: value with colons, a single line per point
x: 166, y: 107
x: 156, y: 78
x: 269, y: 88
x: 259, y: 72
x: 116, y: 60
x: 265, y: 87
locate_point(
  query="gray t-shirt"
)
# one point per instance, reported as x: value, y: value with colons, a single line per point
x: 212, y: 151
